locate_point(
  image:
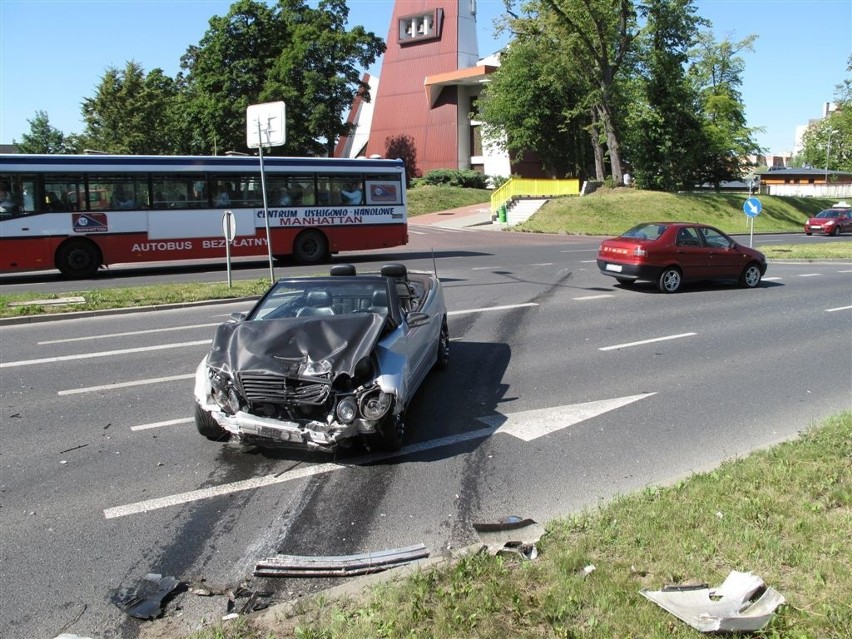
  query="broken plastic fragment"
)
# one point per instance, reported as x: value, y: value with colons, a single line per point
x: 146, y: 600
x: 510, y: 535
x: 740, y: 604
x: 339, y: 566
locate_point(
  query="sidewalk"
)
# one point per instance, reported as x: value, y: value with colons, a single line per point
x: 476, y: 215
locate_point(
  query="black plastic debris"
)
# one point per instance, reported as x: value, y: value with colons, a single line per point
x: 511, y: 535
x: 338, y: 566
x: 146, y: 600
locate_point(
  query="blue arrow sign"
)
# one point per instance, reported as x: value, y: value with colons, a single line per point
x: 752, y: 207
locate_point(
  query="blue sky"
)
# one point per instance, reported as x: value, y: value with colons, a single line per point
x: 54, y: 52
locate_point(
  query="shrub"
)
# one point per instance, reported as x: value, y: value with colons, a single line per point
x: 468, y: 179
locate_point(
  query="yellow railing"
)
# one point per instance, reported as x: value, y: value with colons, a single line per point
x: 528, y: 187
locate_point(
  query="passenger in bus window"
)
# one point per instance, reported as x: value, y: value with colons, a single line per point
x: 284, y: 198
x: 8, y: 203
x: 121, y: 200
x: 29, y: 202
x: 351, y: 194
x: 223, y: 198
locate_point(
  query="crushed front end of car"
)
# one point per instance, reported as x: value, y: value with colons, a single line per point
x: 312, y: 383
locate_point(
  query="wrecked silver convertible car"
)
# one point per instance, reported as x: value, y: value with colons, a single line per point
x: 319, y: 361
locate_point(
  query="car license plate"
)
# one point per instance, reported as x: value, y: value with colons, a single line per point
x: 274, y: 433
x: 614, y: 267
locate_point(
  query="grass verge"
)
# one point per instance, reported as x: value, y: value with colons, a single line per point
x: 827, y: 251
x: 431, y: 198
x: 783, y: 514
x: 613, y: 211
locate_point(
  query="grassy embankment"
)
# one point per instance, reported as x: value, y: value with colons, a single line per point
x: 784, y: 514
x: 604, y: 213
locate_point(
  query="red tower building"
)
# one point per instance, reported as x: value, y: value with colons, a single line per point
x: 410, y: 119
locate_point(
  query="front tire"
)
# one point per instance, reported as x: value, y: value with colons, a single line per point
x: 750, y: 276
x: 836, y: 230
x: 209, y: 427
x: 670, y: 280
x: 310, y: 247
x: 443, y: 348
x: 78, y: 259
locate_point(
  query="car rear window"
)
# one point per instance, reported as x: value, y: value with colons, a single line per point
x: 645, y: 231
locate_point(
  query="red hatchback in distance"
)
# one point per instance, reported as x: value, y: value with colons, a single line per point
x: 671, y: 253
x: 833, y: 221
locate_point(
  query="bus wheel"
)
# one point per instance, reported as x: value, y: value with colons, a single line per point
x: 310, y: 247
x: 78, y: 258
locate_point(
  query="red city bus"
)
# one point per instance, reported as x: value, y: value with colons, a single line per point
x: 79, y: 212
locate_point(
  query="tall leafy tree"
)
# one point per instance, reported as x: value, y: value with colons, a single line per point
x: 292, y: 52
x: 665, y: 131
x: 716, y: 70
x: 598, y: 35
x: 42, y: 138
x: 534, y: 102
x: 827, y: 143
x: 130, y: 112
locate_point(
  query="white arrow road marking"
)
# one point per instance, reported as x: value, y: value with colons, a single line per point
x: 564, y: 415
x: 532, y: 424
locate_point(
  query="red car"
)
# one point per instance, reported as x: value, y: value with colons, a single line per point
x: 671, y: 253
x: 833, y: 221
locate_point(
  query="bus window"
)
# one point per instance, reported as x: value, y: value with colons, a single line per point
x: 179, y: 192
x: 17, y: 194
x: 63, y: 193
x: 237, y: 191
x: 341, y: 190
x: 303, y: 190
x: 123, y: 192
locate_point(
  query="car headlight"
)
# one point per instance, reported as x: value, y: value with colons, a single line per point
x: 375, y: 405
x: 346, y: 410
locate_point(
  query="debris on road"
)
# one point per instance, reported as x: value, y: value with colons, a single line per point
x: 146, y: 600
x: 511, y: 535
x: 741, y: 604
x: 338, y: 566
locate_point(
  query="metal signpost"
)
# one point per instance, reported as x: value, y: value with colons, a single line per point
x: 266, y: 126
x: 752, y: 208
x: 229, y: 228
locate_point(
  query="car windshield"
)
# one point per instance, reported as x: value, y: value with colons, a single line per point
x: 323, y: 298
x: 645, y: 231
x: 829, y: 213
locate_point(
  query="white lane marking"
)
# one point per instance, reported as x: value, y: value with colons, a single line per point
x: 140, y: 382
x: 588, y: 261
x: 271, y: 480
x: 593, y: 297
x: 123, y: 351
x: 129, y: 333
x: 842, y: 308
x: 416, y: 232
x: 171, y: 422
x: 492, y: 308
x: 576, y: 413
x: 846, y: 271
x: 484, y: 268
x: 532, y: 424
x: 770, y: 279
x: 809, y: 274
x: 646, y: 341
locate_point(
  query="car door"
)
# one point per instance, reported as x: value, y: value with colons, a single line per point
x: 691, y: 253
x: 725, y: 261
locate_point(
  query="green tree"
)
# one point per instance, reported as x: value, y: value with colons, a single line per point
x: 827, y: 143
x: 716, y: 71
x: 130, y: 112
x: 290, y: 52
x: 534, y: 102
x: 598, y: 35
x: 42, y: 138
x: 664, y: 132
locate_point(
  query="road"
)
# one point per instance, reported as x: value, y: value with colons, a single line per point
x: 563, y: 390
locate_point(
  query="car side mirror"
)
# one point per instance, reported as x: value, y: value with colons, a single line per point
x: 416, y: 319
x: 237, y: 317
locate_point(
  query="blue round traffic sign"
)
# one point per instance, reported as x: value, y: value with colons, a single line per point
x: 752, y: 207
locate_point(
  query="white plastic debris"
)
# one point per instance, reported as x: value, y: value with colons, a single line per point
x: 731, y: 607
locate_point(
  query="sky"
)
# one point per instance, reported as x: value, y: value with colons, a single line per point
x: 53, y: 53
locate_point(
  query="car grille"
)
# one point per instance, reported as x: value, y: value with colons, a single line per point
x: 262, y: 387
x: 259, y: 387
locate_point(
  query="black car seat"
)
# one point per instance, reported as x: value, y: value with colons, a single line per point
x: 317, y: 303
